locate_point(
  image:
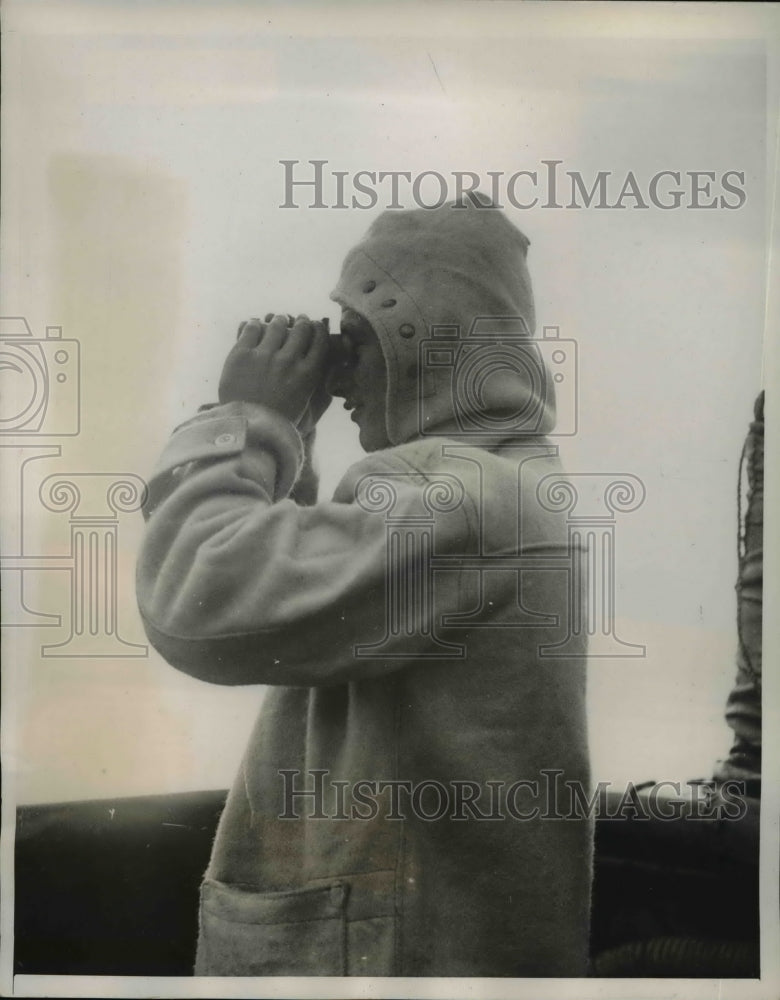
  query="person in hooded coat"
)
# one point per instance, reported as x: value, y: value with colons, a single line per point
x: 392, y: 815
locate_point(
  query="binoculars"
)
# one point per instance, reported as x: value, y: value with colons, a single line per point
x: 338, y: 352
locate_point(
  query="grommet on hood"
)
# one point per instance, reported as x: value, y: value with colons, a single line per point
x: 454, y: 267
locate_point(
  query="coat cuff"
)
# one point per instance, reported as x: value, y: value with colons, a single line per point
x: 245, y: 430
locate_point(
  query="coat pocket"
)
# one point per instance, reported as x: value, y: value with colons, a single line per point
x: 301, y: 932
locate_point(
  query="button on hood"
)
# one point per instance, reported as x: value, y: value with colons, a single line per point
x: 449, y: 295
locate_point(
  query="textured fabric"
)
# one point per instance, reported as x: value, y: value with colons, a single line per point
x: 393, y: 656
x: 234, y: 588
x: 422, y: 274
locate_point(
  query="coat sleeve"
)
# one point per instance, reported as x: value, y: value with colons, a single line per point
x: 238, y: 584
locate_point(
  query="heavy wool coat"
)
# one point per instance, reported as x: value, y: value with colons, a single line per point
x: 424, y: 654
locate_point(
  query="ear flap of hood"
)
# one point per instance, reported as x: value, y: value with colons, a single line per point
x: 448, y: 293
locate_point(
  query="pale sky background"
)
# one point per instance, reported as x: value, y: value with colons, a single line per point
x: 140, y: 213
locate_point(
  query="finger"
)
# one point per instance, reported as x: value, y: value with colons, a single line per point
x: 250, y: 333
x: 319, y: 331
x: 300, y: 337
x: 269, y: 316
x: 275, y: 333
x: 319, y: 347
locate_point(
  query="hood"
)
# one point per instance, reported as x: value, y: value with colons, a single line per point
x: 448, y: 293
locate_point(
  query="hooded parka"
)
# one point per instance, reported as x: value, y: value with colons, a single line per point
x: 406, y: 805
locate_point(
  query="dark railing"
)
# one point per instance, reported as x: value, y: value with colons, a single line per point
x: 110, y: 887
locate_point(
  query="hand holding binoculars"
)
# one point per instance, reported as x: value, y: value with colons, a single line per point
x: 338, y: 351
